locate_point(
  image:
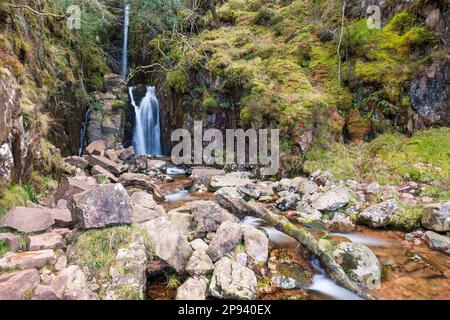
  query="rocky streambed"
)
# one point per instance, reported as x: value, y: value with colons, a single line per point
x: 121, y: 226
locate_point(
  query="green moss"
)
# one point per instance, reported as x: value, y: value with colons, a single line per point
x: 3, y: 248
x: 210, y: 102
x: 178, y: 79
x: 118, y: 104
x: 14, y: 196
x: 408, y: 218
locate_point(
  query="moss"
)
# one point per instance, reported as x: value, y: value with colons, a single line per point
x: 118, y: 104
x: 173, y: 282
x: 3, y: 247
x: 408, y: 218
x: 210, y: 102
x: 14, y: 196
x: 127, y: 292
x: 177, y: 79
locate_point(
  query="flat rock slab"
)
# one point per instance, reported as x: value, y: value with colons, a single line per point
x: 73, y: 185
x: 27, y: 260
x: 97, y: 170
x: 51, y: 240
x: 104, y: 206
x: 62, y: 217
x: 107, y: 164
x: 28, y: 220
x: 16, y: 285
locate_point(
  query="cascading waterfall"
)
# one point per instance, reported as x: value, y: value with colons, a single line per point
x: 147, y: 130
x: 126, y: 26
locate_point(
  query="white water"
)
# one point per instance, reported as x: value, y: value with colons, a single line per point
x: 175, y: 171
x: 363, y: 239
x: 147, y: 131
x: 126, y: 26
x: 178, y: 195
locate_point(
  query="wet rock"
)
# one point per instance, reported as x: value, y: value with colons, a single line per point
x: 104, y: 206
x: 227, y: 237
x: 288, y: 202
x: 231, y: 280
x: 44, y: 292
x: 44, y: 241
x: 436, y: 217
x: 193, y: 289
x: 96, y: 148
x: 199, y: 264
x: 199, y: 245
x: 128, y: 273
x: 27, y: 260
x: 285, y: 273
x: 340, y: 223
x: 234, y: 179
x: 360, y: 263
x: 256, y: 245
x: 70, y: 284
x: 18, y: 285
x: 437, y: 241
x: 97, y: 170
x: 107, y: 164
x: 168, y: 243
x: 74, y: 185
x: 12, y: 241
x: 27, y: 220
x: 331, y: 200
x: 379, y: 215
x: 157, y: 165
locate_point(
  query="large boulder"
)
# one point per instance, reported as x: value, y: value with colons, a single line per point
x: 145, y: 208
x: 183, y: 221
x: 256, y: 245
x: 17, y: 285
x: 128, y: 273
x: 379, y: 215
x: 232, y: 280
x: 104, y: 206
x: 359, y: 262
x: 436, y: 217
x: 142, y: 182
x: 62, y: 215
x: 193, y: 289
x: 232, y: 200
x: 340, y: 223
x: 27, y: 260
x: 227, y: 237
x: 28, y: 220
x: 331, y: 200
x: 71, y: 284
x: 199, y: 264
x: 235, y: 179
x: 437, y: 241
x: 73, y: 185
x: 168, y: 243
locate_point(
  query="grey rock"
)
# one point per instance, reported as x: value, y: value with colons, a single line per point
x: 331, y: 200
x: 437, y: 241
x: 193, y: 289
x: 27, y: 220
x: 379, y: 215
x: 227, y: 237
x: 256, y: 245
x: 199, y: 264
x: 436, y: 217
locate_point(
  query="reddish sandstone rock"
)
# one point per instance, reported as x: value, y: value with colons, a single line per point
x: 28, y: 219
x: 51, y: 240
x: 27, y: 260
x: 15, y: 285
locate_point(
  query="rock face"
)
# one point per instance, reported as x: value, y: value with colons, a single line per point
x: 27, y: 260
x: 231, y: 280
x: 128, y: 273
x: 256, y: 245
x: 379, y: 215
x: 16, y: 285
x: 193, y: 289
x: 106, y: 205
x: 360, y: 263
x: 436, y: 217
x: 227, y: 237
x: 331, y: 200
x: 27, y: 219
x: 199, y: 264
x: 168, y: 243
x: 437, y: 241
x: 70, y: 284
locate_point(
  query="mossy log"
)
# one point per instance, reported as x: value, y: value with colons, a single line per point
x: 229, y: 201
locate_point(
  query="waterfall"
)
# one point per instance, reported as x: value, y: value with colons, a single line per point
x: 83, y: 131
x: 126, y: 26
x: 147, y: 130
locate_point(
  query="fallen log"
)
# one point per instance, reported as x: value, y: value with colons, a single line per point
x: 230, y: 199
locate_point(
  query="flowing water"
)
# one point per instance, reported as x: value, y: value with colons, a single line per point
x: 147, y: 130
x: 83, y: 131
x: 126, y: 26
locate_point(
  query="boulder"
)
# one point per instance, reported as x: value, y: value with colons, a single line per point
x: 62, y: 217
x: 360, y: 263
x: 126, y: 154
x: 374, y: 188
x: 44, y: 292
x: 436, y: 217
x: 168, y: 243
x: 61, y: 263
x: 227, y: 237
x: 184, y: 222
x: 143, y: 182
x: 104, y: 206
x: 98, y: 170
x: 231, y: 280
x: 340, y: 223
x: 27, y: 260
x: 96, y: 148
x: 234, y: 179
x: 256, y: 245
x: 160, y: 165
x: 199, y: 245
x: 70, y: 284
x: 379, y: 215
x: 12, y: 241
x: 307, y: 187
x: 286, y: 273
x: 18, y: 285
x: 128, y: 273
x: 77, y: 162
x: 193, y: 289
x: 28, y: 220
x: 144, y: 207
x: 331, y: 200
x: 51, y: 240
x: 199, y: 264
x: 230, y: 199
x: 105, y: 163
x: 112, y: 155
x: 437, y: 241
x: 288, y: 201
x: 73, y: 185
